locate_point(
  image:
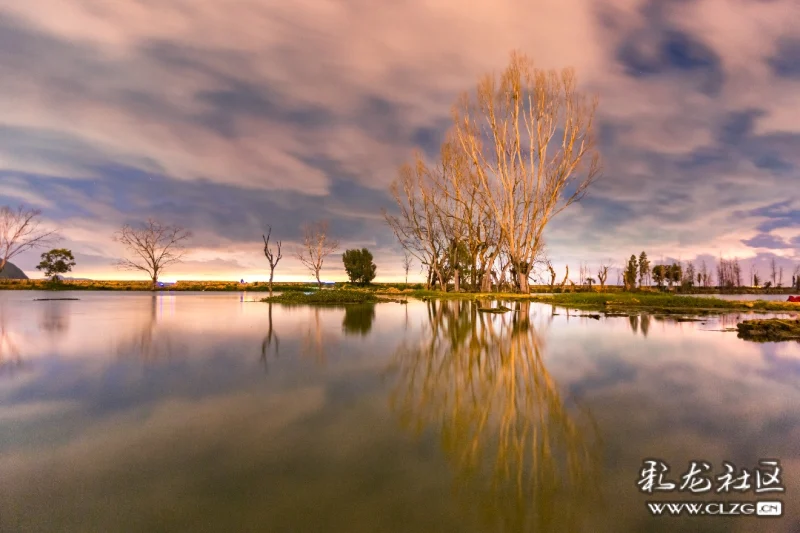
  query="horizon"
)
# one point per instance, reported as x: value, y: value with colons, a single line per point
x: 223, y: 121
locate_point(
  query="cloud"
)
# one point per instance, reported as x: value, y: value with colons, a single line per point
x: 227, y: 118
x: 765, y: 240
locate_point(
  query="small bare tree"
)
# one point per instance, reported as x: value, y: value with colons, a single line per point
x: 20, y: 231
x: 407, y: 261
x: 566, y: 278
x: 773, y: 271
x: 552, y: 275
x: 153, y: 246
x: 272, y: 257
x: 602, y: 273
x: 316, y: 246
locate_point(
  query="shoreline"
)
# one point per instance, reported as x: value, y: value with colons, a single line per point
x: 613, y: 299
x: 416, y: 288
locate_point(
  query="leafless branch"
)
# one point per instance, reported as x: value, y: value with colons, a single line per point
x: 272, y: 257
x: 316, y: 246
x: 153, y: 246
x: 20, y: 230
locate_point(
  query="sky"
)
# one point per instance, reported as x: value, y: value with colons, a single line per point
x: 225, y: 117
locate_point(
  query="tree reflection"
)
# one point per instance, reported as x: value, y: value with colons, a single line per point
x: 634, y: 322
x: 149, y: 343
x: 10, y: 358
x: 480, y: 380
x: 268, y: 339
x: 314, y: 344
x: 645, y: 324
x: 358, y: 319
x: 54, y: 318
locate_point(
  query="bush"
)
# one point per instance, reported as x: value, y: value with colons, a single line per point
x: 359, y: 266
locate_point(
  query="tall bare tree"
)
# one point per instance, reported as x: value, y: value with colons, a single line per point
x: 20, y: 230
x: 272, y: 257
x: 153, y: 247
x: 316, y: 246
x: 529, y: 136
x: 418, y: 227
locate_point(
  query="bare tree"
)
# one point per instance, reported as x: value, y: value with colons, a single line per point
x: 528, y: 136
x: 407, y: 261
x: 417, y: 227
x: 316, y: 246
x: 602, y: 273
x: 20, y: 230
x: 153, y: 246
x: 774, y: 271
x: 272, y: 257
x: 583, y: 272
x: 566, y: 278
x: 552, y: 275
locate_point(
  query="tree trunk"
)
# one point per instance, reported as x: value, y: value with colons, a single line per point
x: 442, y: 282
x: 456, y: 280
x: 486, y: 281
x: 524, y: 287
x: 319, y: 283
x: 271, y: 273
x: 154, y: 280
x: 501, y: 279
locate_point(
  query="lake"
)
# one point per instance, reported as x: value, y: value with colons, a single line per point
x: 212, y: 412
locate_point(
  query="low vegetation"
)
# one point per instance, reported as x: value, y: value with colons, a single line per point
x: 619, y: 302
x: 114, y: 285
x: 659, y: 301
x: 770, y: 330
x: 324, y: 297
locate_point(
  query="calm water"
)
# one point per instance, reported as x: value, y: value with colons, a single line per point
x: 208, y: 412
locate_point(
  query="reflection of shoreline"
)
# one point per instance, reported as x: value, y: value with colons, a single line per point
x: 481, y: 383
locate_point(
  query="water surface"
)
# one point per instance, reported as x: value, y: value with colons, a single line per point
x: 210, y: 412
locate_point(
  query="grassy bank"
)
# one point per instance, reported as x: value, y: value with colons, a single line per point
x: 621, y: 301
x: 771, y: 330
x: 324, y: 297
x: 661, y: 302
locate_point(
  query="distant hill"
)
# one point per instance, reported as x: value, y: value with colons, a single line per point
x: 11, y: 271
